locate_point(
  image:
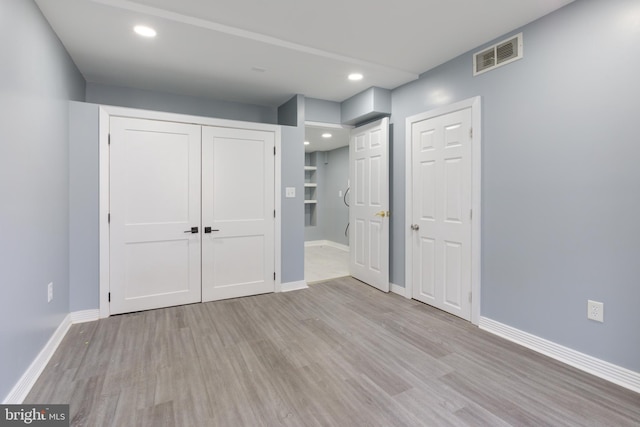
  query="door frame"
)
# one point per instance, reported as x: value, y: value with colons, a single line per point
x: 476, y: 176
x: 106, y: 112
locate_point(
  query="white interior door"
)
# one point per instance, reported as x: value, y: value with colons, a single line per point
x: 238, y: 206
x: 369, y: 208
x: 441, y: 168
x: 154, y: 203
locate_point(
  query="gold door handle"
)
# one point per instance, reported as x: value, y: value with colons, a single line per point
x: 383, y: 214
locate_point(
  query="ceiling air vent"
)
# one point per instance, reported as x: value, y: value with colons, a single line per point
x: 497, y: 55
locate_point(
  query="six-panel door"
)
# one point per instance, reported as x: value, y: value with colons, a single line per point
x: 369, y: 208
x: 441, y: 165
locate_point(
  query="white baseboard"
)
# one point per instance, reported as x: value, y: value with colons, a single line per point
x: 29, y: 378
x: 397, y: 289
x: 327, y: 243
x: 85, y: 316
x: 293, y: 286
x: 605, y: 370
x: 400, y: 290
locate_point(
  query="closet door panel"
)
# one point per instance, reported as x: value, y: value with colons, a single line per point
x: 238, y: 207
x: 154, y: 199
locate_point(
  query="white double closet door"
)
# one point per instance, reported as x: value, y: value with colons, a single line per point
x: 191, y: 213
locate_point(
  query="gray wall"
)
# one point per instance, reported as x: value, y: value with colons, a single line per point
x: 560, y: 186
x: 334, y: 213
x: 319, y: 110
x: 158, y: 101
x: 84, y: 184
x: 292, y: 113
x: 37, y: 78
x: 365, y: 106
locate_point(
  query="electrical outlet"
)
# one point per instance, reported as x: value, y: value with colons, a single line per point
x: 595, y: 311
x: 50, y: 292
x: 290, y: 192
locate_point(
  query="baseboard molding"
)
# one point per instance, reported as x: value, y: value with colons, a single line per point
x: 85, y: 316
x: 397, y: 289
x: 29, y: 378
x: 293, y: 286
x: 327, y: 243
x: 605, y: 370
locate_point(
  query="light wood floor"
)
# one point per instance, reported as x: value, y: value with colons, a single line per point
x: 337, y: 354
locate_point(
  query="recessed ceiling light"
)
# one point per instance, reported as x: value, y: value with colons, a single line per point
x: 355, y: 77
x: 326, y: 135
x: 144, y: 31
x: 306, y: 143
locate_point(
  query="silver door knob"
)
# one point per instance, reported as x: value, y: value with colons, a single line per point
x: 415, y: 227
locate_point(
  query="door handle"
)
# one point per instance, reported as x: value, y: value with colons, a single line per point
x: 193, y: 230
x: 415, y: 227
x: 209, y: 230
x: 383, y: 214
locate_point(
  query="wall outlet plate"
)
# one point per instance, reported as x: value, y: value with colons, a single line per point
x: 290, y: 192
x: 595, y: 311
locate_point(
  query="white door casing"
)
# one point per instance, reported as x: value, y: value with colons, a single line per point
x: 238, y: 205
x: 369, y: 208
x: 154, y: 201
x: 443, y: 208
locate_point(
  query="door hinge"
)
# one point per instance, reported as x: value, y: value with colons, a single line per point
x: 471, y: 133
x: 274, y: 275
x: 274, y: 151
x: 274, y: 213
x: 109, y: 296
x: 109, y: 140
x: 108, y: 218
x: 470, y: 297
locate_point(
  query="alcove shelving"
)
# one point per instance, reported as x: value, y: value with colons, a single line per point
x: 310, y: 190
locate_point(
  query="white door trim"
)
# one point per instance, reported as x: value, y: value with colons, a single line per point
x: 106, y: 112
x: 476, y: 164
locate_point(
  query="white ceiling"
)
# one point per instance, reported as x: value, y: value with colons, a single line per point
x: 213, y: 48
x: 313, y: 134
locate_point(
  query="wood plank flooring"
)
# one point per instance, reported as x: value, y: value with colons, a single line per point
x: 337, y: 354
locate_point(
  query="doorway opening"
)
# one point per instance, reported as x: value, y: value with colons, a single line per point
x: 326, y: 201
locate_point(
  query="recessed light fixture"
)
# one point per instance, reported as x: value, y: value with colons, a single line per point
x: 354, y: 77
x: 326, y: 135
x: 306, y: 143
x: 144, y: 31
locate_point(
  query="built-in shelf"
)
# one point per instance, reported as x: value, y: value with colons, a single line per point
x: 310, y: 190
